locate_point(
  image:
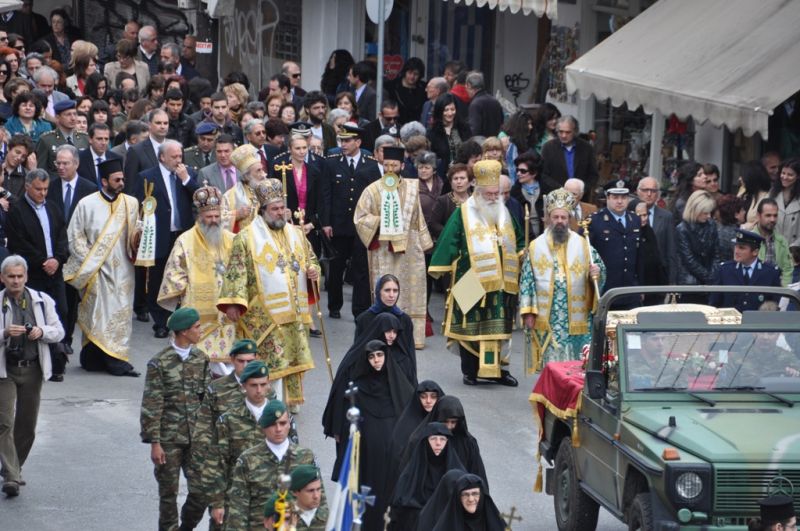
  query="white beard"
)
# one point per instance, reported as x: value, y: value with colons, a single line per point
x: 490, y: 212
x: 277, y: 224
x: 212, y: 234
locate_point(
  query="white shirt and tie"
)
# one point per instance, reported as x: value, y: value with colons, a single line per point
x: 97, y: 160
x: 68, y: 193
x: 167, y: 176
x: 353, y: 161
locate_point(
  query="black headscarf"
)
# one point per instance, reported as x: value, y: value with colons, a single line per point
x: 462, y: 441
x: 424, y: 470
x: 486, y: 517
x: 404, y: 354
x: 405, y: 333
x: 434, y: 508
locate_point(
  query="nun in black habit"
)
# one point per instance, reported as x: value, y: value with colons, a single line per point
x: 449, y: 411
x: 470, y: 508
x: 427, y: 394
x: 387, y: 293
x: 389, y: 329
x: 433, y: 508
x: 383, y: 391
x: 431, y: 458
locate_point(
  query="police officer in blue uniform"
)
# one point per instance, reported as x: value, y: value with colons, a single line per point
x: 745, y: 270
x: 344, y: 176
x: 614, y: 233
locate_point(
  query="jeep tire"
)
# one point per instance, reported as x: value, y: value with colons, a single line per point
x: 575, y: 510
x: 640, y: 514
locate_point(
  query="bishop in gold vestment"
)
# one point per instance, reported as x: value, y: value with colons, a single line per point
x: 193, y: 277
x: 101, y: 235
x: 240, y: 204
x: 389, y: 221
x: 265, y: 290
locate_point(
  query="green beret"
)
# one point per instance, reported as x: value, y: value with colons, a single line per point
x: 244, y: 346
x: 302, y: 476
x: 272, y: 412
x: 254, y: 369
x: 269, y: 507
x: 182, y: 318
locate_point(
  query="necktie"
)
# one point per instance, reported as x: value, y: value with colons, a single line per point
x: 69, y: 141
x: 264, y: 163
x: 207, y: 158
x: 229, y: 183
x: 176, y: 219
x: 97, y: 167
x: 746, y: 274
x: 67, y: 201
x: 621, y: 221
x: 352, y: 166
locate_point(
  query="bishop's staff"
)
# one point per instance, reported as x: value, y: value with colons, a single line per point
x: 283, y: 168
x: 300, y: 216
x: 584, y: 223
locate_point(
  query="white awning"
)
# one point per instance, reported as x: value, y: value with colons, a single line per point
x: 729, y: 62
x: 538, y: 7
x: 10, y: 5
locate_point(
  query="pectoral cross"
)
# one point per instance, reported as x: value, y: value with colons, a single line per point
x: 283, y: 168
x: 511, y: 517
x: 300, y: 215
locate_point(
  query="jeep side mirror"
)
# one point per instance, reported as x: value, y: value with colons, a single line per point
x: 596, y: 384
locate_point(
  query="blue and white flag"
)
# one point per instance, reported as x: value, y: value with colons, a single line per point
x: 341, y: 514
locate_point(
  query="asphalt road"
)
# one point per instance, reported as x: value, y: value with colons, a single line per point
x: 88, y: 470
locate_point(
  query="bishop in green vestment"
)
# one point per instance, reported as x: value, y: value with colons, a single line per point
x: 482, y: 242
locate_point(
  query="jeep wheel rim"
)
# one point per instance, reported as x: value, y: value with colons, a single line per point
x: 563, y: 498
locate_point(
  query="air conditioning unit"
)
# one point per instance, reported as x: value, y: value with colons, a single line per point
x: 220, y: 8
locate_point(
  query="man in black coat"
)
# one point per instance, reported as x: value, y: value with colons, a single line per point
x: 663, y: 224
x: 65, y: 193
x: 173, y: 187
x: 97, y: 152
x: 37, y: 232
x: 385, y: 123
x: 141, y: 157
x: 485, y: 112
x: 344, y: 177
x: 566, y: 157
x: 181, y: 127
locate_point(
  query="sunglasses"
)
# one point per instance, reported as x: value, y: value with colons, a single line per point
x: 4, y: 72
x: 295, y: 76
x: 20, y: 47
x: 523, y: 171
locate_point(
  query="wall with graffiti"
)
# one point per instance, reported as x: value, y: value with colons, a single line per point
x: 259, y: 37
x: 104, y: 19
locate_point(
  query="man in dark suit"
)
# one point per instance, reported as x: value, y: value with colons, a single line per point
x: 366, y: 98
x: 255, y: 132
x: 582, y: 210
x: 97, y: 152
x: 221, y: 174
x: 173, y: 186
x: 141, y: 157
x: 568, y: 156
x: 485, y: 112
x: 344, y: 177
x: 385, y: 123
x: 614, y: 233
x: 745, y: 270
x: 316, y: 105
x: 65, y: 193
x: 37, y: 232
x: 291, y: 70
x: 148, y: 48
x: 135, y: 131
x: 663, y: 224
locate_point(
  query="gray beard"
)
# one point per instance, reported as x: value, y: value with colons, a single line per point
x: 212, y: 234
x: 490, y: 212
x: 560, y: 233
x: 277, y: 224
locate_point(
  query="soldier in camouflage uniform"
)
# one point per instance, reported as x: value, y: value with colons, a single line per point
x: 176, y: 381
x: 309, y: 509
x: 64, y: 133
x: 237, y: 430
x: 257, y: 471
x: 203, y: 153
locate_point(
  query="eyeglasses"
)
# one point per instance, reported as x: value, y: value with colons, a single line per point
x: 4, y: 72
x: 3, y: 39
x: 389, y: 118
x: 523, y: 171
x: 295, y: 76
x: 473, y: 495
x: 259, y: 133
x: 20, y: 47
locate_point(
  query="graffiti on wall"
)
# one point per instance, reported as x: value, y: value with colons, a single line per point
x: 105, y: 19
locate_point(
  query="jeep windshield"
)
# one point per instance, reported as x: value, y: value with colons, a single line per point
x: 713, y: 361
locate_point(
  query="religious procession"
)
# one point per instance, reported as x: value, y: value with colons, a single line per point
x: 503, y: 318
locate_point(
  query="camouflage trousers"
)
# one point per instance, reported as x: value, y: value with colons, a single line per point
x: 178, y: 458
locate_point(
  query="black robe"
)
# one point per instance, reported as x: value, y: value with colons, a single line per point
x: 403, y: 350
x: 462, y: 441
x: 405, y: 331
x: 433, y: 509
x: 485, y: 518
x: 409, y: 421
x: 420, y: 477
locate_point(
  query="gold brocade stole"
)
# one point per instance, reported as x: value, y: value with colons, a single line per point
x: 80, y: 275
x: 495, y: 272
x: 205, y: 268
x: 573, y: 262
x: 239, y: 196
x: 408, y: 202
x: 281, y: 268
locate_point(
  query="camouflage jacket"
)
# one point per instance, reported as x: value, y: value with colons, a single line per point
x: 173, y: 392
x: 318, y: 523
x: 255, y: 479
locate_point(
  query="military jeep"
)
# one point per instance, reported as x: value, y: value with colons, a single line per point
x: 685, y: 420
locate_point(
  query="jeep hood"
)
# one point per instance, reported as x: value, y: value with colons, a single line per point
x: 738, y: 433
